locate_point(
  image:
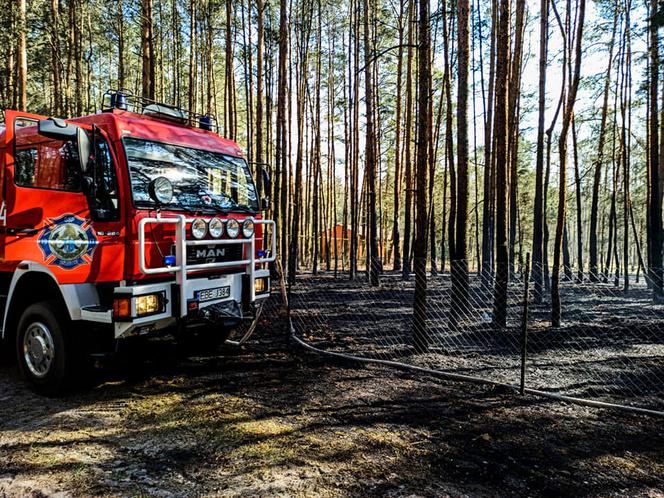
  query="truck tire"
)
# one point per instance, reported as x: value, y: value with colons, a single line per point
x: 44, y: 353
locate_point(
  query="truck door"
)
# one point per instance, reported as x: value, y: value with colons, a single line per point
x: 56, y: 216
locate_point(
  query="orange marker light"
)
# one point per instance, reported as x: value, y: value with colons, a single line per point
x: 122, y: 307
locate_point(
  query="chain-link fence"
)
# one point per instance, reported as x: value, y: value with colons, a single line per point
x: 609, y: 347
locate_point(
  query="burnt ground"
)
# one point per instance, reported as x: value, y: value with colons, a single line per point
x: 271, y: 419
x: 609, y: 348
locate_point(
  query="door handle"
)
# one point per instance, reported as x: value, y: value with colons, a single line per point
x: 22, y: 231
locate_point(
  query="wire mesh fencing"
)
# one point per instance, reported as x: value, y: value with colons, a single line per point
x: 608, y: 347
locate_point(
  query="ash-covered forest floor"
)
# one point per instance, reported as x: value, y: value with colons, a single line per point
x: 609, y: 348
x: 271, y: 419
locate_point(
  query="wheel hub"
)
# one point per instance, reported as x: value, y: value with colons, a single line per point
x: 38, y: 349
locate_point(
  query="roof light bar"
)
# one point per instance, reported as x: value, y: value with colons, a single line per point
x: 125, y: 100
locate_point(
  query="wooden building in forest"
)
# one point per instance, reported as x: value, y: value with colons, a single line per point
x: 341, y: 236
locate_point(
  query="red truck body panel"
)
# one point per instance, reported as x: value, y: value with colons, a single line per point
x: 105, y: 251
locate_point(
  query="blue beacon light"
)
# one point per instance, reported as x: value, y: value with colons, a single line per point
x: 119, y: 101
x: 205, y: 123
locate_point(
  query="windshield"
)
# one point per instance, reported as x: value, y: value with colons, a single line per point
x: 202, y: 180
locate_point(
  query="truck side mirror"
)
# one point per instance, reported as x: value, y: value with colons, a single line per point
x: 58, y: 129
x: 84, y: 149
x: 266, y: 180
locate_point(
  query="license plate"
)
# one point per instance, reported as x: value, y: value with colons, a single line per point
x: 210, y: 294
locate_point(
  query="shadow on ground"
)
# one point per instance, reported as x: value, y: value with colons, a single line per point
x: 269, y: 419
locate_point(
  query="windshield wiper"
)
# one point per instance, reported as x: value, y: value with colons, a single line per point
x: 237, y: 208
x: 234, y: 209
x: 175, y: 207
x: 242, y: 209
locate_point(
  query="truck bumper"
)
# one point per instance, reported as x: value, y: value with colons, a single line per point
x: 223, y: 300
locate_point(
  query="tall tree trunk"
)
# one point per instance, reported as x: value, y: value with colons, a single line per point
x: 22, y: 57
x: 75, y: 18
x: 407, y: 147
x: 396, y: 242
x: 121, y: 44
x: 547, y: 173
x: 281, y: 148
x: 355, y: 90
x: 248, y: 79
x: 539, y: 214
x: 579, y: 214
x: 192, y: 54
x: 459, y: 260
x: 55, y: 57
x: 637, y: 242
x: 229, y: 122
x: 487, y: 208
x: 433, y: 161
x: 331, y: 155
x: 599, y: 159
x: 370, y: 150
x: 260, y: 7
x: 316, y: 160
x: 302, y: 67
x: 655, y: 196
x: 627, y: 138
x: 478, y: 251
x: 211, y: 99
x: 423, y: 148
x: 562, y: 146
x: 147, y: 49
x: 514, y: 93
x: 501, y: 139
x: 567, y: 262
x: 10, y: 55
x: 449, y: 138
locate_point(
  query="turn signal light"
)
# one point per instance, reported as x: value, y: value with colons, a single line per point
x: 122, y: 307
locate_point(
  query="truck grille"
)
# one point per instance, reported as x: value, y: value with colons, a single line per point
x: 214, y: 254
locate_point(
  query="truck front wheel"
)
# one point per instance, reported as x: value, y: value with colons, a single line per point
x: 42, y: 349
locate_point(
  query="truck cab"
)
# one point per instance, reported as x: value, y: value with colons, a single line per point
x: 136, y: 220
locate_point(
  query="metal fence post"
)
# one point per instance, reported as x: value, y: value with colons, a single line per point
x: 524, y: 324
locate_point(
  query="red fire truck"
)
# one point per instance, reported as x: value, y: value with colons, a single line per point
x: 138, y: 219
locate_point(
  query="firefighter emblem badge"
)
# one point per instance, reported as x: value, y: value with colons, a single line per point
x: 67, y: 241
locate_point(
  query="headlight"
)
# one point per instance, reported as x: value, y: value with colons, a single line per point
x: 260, y: 285
x: 198, y: 228
x: 248, y: 227
x: 216, y: 227
x: 232, y: 228
x: 149, y: 304
x: 161, y: 190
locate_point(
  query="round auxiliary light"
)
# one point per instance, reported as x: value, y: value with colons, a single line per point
x: 216, y: 227
x: 161, y: 190
x: 248, y: 228
x: 198, y: 228
x: 232, y: 228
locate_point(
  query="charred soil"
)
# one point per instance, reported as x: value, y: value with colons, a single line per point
x: 270, y: 419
